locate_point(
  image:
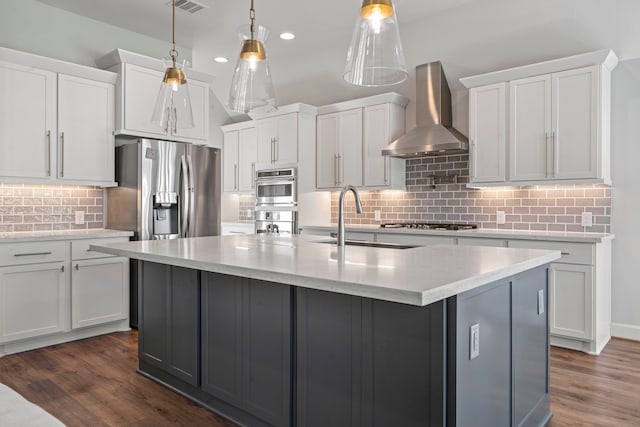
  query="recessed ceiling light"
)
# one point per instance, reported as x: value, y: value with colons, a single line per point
x: 287, y: 36
x: 221, y: 59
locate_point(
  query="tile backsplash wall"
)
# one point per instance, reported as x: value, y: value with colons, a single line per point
x: 247, y: 205
x: 545, y: 208
x: 33, y: 207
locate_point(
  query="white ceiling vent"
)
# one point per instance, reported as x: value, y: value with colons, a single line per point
x: 188, y: 6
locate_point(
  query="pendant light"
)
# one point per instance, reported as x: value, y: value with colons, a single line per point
x: 251, y: 87
x: 173, y: 106
x: 375, y: 56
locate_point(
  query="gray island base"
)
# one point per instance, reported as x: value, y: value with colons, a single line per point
x: 265, y: 353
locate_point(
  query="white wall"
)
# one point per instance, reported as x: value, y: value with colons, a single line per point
x: 626, y: 199
x: 34, y: 27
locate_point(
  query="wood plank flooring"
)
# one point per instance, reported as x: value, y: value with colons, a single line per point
x: 93, y: 383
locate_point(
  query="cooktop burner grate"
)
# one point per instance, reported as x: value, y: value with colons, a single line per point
x: 429, y: 226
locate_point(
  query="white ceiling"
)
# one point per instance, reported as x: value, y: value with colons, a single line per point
x: 468, y: 36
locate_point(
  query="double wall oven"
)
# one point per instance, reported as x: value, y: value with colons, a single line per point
x: 276, y: 201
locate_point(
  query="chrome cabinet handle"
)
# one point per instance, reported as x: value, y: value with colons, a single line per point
x: 253, y: 174
x: 62, y: 269
x: 335, y: 169
x: 546, y: 155
x: 77, y: 267
x: 48, y: 153
x: 61, y: 154
x: 565, y: 253
x: 553, y: 153
x: 275, y: 149
x: 166, y: 128
x: 386, y: 169
x: 175, y: 121
x: 235, y: 176
x: 273, y: 141
x: 33, y: 254
x: 340, y: 169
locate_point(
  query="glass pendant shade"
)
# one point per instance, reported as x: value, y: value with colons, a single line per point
x: 251, y: 86
x: 173, y: 106
x: 375, y: 56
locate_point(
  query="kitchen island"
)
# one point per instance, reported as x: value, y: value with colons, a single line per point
x: 295, y: 331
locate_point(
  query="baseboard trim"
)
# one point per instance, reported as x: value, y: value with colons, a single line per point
x: 628, y: 332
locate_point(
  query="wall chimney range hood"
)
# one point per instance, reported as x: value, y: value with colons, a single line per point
x: 434, y: 134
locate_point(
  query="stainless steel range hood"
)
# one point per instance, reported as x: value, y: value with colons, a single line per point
x: 434, y: 134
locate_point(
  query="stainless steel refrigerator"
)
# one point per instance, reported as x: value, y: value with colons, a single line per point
x: 166, y: 190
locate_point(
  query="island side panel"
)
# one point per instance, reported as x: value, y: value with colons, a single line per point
x: 530, y: 340
x: 483, y: 381
x: 152, y: 337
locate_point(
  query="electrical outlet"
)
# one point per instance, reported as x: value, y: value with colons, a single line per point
x: 540, y: 301
x: 79, y: 217
x: 587, y: 219
x: 377, y: 215
x: 474, y: 341
x: 501, y: 217
x: 249, y: 213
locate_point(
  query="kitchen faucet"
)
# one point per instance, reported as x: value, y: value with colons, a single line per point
x: 340, y: 240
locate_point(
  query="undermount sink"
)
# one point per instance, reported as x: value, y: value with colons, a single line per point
x: 371, y: 244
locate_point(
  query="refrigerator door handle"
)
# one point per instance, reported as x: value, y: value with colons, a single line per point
x: 192, y: 200
x: 184, y: 219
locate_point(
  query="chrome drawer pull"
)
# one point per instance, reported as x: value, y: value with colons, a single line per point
x: 33, y: 254
x: 565, y: 253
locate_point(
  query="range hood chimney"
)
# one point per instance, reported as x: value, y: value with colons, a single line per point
x: 433, y: 134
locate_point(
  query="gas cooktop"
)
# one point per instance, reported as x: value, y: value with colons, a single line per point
x: 429, y: 226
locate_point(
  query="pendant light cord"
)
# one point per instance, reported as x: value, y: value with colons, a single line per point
x: 174, y: 52
x: 252, y: 16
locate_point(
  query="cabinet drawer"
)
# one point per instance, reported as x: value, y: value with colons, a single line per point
x: 412, y: 239
x: 31, y: 252
x: 480, y: 241
x: 575, y: 253
x: 80, y: 248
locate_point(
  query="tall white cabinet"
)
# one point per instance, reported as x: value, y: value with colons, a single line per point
x: 139, y: 79
x: 339, y: 149
x: 277, y: 139
x: 240, y: 155
x: 556, y: 118
x: 56, y: 121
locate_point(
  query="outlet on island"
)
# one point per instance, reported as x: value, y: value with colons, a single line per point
x: 79, y: 217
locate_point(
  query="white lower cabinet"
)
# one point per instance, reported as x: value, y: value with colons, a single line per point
x: 99, y: 291
x: 412, y: 239
x: 570, y: 300
x: 32, y: 300
x: 57, y: 291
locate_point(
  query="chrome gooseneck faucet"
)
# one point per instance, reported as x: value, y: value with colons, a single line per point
x: 344, y: 191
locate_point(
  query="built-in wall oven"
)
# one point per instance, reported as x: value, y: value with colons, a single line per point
x: 276, y: 201
x: 276, y: 187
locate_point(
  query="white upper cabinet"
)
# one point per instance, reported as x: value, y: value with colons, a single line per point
x: 383, y: 124
x: 56, y: 121
x: 350, y: 138
x: 240, y: 155
x: 137, y: 90
x: 487, y: 133
x: 558, y: 116
x: 85, y: 127
x: 27, y: 121
x: 278, y: 139
x: 339, y: 149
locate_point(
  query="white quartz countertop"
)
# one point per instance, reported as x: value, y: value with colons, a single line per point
x: 34, y: 236
x: 487, y: 233
x: 417, y: 276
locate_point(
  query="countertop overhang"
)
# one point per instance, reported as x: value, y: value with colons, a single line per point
x: 417, y: 276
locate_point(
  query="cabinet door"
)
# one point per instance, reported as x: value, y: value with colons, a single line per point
x: 575, y: 123
x: 530, y: 342
x: 286, y: 146
x: 350, y: 148
x: 141, y: 87
x: 222, y: 337
x: 99, y: 291
x: 487, y: 133
x: 266, y: 355
x: 326, y: 151
x: 32, y: 301
x: 247, y: 157
x: 85, y: 126
x: 377, y: 135
x: 153, y: 319
x: 571, y: 300
x: 199, y: 94
x: 266, y: 130
x: 530, y: 129
x: 27, y: 121
x: 230, y: 161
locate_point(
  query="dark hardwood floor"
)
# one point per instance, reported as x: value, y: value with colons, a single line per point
x: 93, y: 383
